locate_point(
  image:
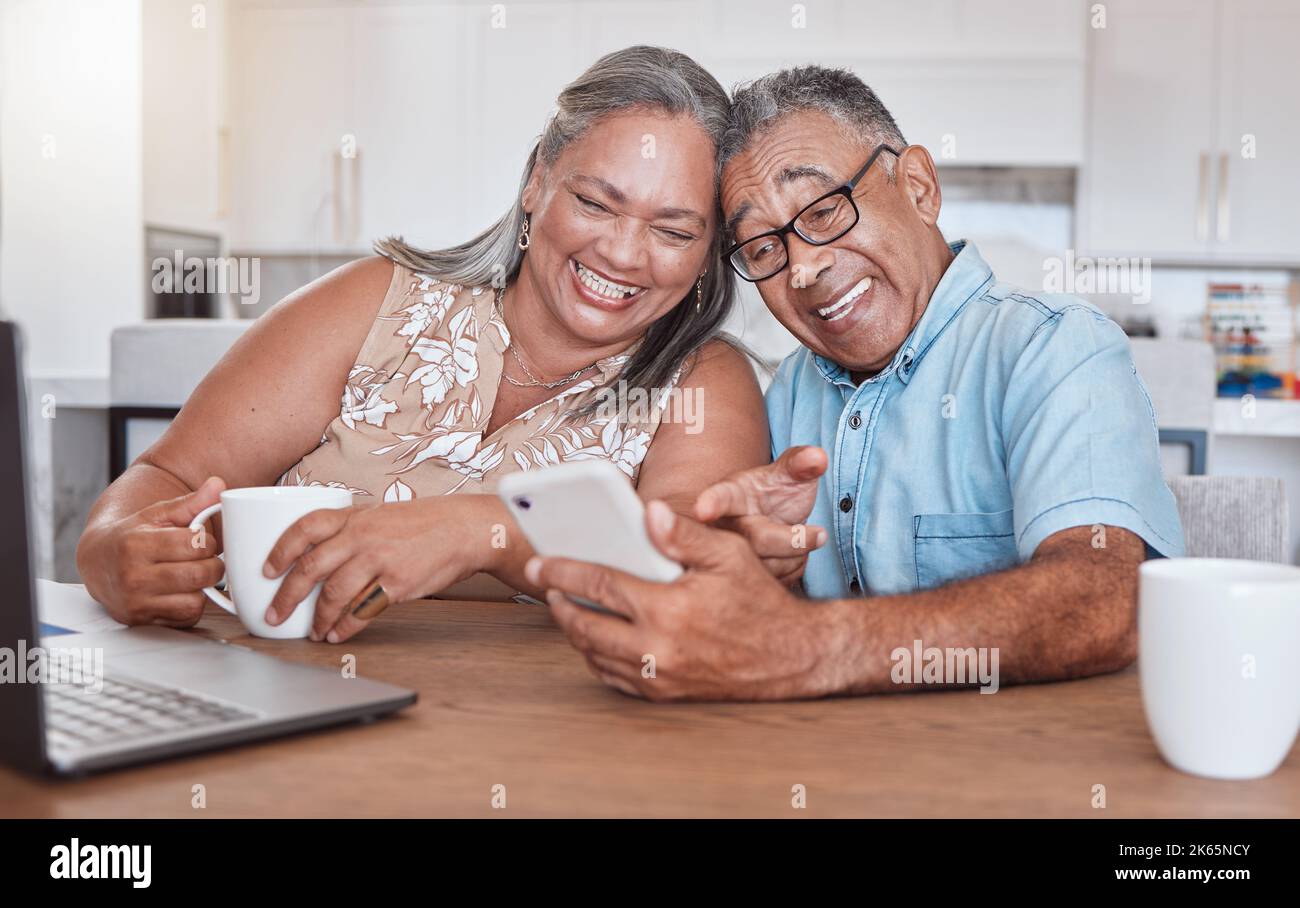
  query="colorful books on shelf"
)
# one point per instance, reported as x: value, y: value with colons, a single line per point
x: 1253, y: 328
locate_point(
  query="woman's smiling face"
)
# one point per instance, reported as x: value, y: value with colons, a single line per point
x: 621, y: 224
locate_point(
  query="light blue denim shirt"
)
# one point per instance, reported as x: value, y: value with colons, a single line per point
x: 1004, y: 417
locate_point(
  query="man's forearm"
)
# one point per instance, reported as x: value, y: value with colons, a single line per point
x: 1068, y: 613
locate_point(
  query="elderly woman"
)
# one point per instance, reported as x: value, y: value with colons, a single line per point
x: 456, y: 367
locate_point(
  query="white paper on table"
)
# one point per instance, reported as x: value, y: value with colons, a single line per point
x: 68, y: 605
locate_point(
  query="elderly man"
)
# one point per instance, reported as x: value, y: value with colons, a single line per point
x: 980, y: 460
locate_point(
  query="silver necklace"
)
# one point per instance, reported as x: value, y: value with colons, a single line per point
x: 535, y: 381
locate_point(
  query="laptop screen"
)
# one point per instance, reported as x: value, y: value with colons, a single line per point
x: 22, y: 740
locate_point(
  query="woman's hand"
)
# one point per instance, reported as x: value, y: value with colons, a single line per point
x: 149, y: 568
x: 413, y: 548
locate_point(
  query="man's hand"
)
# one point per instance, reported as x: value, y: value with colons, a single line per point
x: 725, y: 629
x: 767, y: 505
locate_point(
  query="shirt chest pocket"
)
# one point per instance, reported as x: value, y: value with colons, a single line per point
x: 951, y: 547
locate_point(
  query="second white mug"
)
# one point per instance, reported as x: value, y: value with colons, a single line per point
x: 1217, y: 647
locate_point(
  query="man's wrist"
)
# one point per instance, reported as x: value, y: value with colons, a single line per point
x: 840, y: 635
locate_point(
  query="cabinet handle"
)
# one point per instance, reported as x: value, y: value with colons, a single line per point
x: 1221, y: 226
x: 1203, y: 199
x: 223, y: 172
x: 355, y: 229
x: 337, y: 207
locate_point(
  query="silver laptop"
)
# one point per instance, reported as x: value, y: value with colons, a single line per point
x: 111, y: 698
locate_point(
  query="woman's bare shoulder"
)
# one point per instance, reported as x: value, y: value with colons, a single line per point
x: 351, y: 292
x: 265, y: 402
x: 316, y: 331
x: 719, y: 362
x: 327, y: 320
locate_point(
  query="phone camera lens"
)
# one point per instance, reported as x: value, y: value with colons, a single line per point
x: 523, y: 503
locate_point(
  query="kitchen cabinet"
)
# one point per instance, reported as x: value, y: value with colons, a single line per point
x: 355, y: 122
x: 976, y: 83
x: 183, y: 115
x: 1014, y: 112
x: 411, y: 171
x: 292, y: 89
x: 1259, y: 102
x: 885, y: 29
x: 351, y: 121
x: 509, y: 85
x: 1175, y: 88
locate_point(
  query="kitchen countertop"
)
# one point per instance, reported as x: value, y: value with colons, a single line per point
x: 1272, y: 418
x: 80, y: 391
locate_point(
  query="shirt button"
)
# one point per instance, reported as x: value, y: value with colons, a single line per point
x: 854, y: 587
x: 855, y: 421
x: 846, y: 504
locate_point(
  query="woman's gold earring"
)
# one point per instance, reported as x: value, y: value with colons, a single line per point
x: 523, y: 233
x: 699, y: 295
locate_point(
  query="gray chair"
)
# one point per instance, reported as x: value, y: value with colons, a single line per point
x: 154, y: 366
x: 1233, y: 517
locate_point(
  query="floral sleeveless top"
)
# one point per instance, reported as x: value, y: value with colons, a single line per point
x: 418, y: 400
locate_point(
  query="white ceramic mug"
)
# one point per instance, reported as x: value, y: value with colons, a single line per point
x: 253, y: 520
x: 1218, y: 642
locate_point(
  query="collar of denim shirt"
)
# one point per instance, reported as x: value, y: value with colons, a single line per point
x: 966, y: 276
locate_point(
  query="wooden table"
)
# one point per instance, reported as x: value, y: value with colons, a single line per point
x: 505, y: 701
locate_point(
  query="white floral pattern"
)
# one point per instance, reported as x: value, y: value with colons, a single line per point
x: 299, y: 480
x: 417, y: 402
x: 624, y: 446
x: 363, y: 398
x: 448, y: 362
x: 428, y: 311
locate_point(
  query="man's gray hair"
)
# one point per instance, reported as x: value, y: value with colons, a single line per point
x: 757, y: 106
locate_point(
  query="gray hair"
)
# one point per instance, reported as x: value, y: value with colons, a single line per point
x: 653, y: 78
x: 757, y: 106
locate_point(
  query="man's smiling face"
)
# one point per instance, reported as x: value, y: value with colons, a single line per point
x: 855, y: 300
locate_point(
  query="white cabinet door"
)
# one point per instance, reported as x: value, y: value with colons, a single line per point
x: 1147, y: 186
x: 965, y: 30
x: 683, y: 25
x: 514, y: 76
x: 1257, y: 199
x: 412, y: 97
x: 183, y: 117
x: 292, y: 89
x: 995, y: 113
x: 977, y: 83
x: 441, y: 102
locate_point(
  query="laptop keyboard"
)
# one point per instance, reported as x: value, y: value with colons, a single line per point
x: 77, y: 717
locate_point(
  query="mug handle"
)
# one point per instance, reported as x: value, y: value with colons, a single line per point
x: 209, y: 591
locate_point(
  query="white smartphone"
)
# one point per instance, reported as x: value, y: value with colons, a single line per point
x: 588, y: 511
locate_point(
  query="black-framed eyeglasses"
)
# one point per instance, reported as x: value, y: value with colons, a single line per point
x: 822, y: 221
